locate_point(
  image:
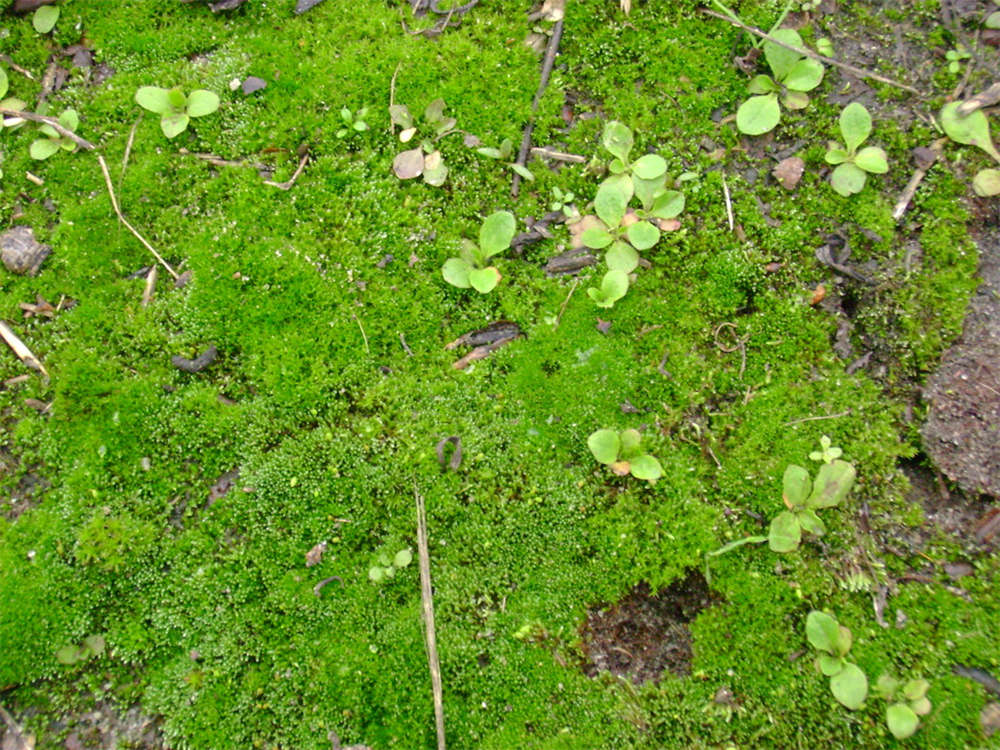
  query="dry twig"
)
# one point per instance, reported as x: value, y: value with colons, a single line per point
x: 288, y: 185
x: 547, y: 63
x: 816, y: 419
x: 986, y: 98
x: 427, y: 600
x: 56, y: 125
x: 6, y: 59
x: 20, y: 349
x: 911, y: 187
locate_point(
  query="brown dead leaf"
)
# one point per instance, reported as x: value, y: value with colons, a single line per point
x: 789, y: 171
x: 577, y: 228
x: 621, y: 468
x: 819, y: 293
x: 39, y: 307
x: 315, y: 555
x: 409, y: 164
x: 668, y: 225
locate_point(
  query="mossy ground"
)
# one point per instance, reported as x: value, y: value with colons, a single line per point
x: 208, y: 609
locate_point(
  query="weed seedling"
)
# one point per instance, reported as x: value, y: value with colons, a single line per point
x: 354, y: 122
x: 470, y: 268
x: 426, y: 159
x: 623, y: 453
x: 93, y: 645
x: 802, y: 498
x: 563, y: 201
x: 792, y: 75
x: 847, y: 682
x: 973, y: 130
x: 387, y: 568
x: 907, y: 703
x: 955, y: 58
x: 174, y: 108
x: 505, y: 154
x: 44, y: 18
x: 645, y: 178
x: 853, y: 165
x: 43, y: 148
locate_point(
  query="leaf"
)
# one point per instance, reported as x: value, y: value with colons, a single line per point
x: 408, y: 164
x: 621, y: 468
x: 630, y: 441
x: 376, y: 574
x: 830, y: 665
x: 437, y: 174
x: 833, y: 481
x: 872, y: 159
x: 614, y: 285
x: 784, y: 534
x: 795, y: 100
x: 605, y: 445
x: 647, y: 190
x: 646, y: 467
x: 95, y: 643
x: 405, y: 136
x: 4, y: 83
x: 973, y: 130
x: 596, y: 238
x: 779, y: 59
x: 763, y: 84
x: 812, y: 523
x: 649, y: 167
x: 456, y: 272
x: 496, y: 233
x: 201, y: 102
x: 523, y: 171
x: 45, y: 18
x: 402, y: 558
x: 43, y: 148
x: 901, y: 720
x: 822, y: 631
x: 848, y: 179
x: 668, y: 204
x: 806, y: 75
x: 986, y: 183
x: 176, y: 99
x: 69, y: 119
x: 174, y: 125
x: 921, y: 706
x: 993, y: 20
x: 610, y: 203
x: 360, y: 126
x: 850, y: 686
x: 69, y: 655
x: 886, y: 686
x: 795, y: 486
x: 642, y: 235
x: 492, y: 153
x: 435, y: 111
x: 789, y: 171
x: 153, y: 98
x: 484, y: 280
x: 621, y: 256
x: 916, y: 689
x: 758, y: 114
x: 617, y: 139
x: 400, y: 115
x: 855, y: 125
x: 844, y: 640
x: 836, y: 156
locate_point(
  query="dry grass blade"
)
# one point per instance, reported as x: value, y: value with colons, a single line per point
x: 56, y: 125
x: 20, y: 349
x: 427, y: 600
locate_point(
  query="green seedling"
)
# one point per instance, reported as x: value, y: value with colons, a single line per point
x: 792, y: 75
x: 471, y: 268
x: 562, y: 200
x: 44, y: 18
x: 854, y: 166
x: 425, y: 160
x: 622, y: 452
x: 387, y: 568
x: 802, y: 498
x: 955, y: 57
x: 645, y: 178
x: 614, y: 286
x: 827, y: 452
x: 174, y: 108
x: 505, y: 154
x: 354, y: 122
x: 847, y: 682
x: 93, y: 645
x: 993, y: 19
x: 43, y: 148
x: 973, y: 130
x: 907, y: 703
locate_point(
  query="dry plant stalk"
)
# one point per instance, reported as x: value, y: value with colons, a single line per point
x: 20, y: 349
x: 427, y: 600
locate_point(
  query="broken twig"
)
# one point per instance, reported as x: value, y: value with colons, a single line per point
x: 427, y: 601
x: 918, y: 176
x: 20, y: 349
x: 986, y: 98
x: 56, y: 125
x: 547, y: 63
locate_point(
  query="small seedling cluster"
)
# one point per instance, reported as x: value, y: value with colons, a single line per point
x: 505, y: 155
x: 854, y: 166
x: 471, y: 268
x: 387, y: 568
x: 425, y: 160
x: 907, y: 703
x: 175, y: 108
x: 93, y: 645
x: 622, y: 453
x: 354, y: 122
x: 973, y: 130
x: 847, y: 681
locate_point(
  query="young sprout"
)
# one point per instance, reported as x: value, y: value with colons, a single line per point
x: 853, y: 165
x: 174, y: 108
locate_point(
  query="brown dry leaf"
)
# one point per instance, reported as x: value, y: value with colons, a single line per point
x: 409, y: 164
x: 621, y: 468
x: 789, y: 171
x: 819, y: 293
x: 668, y: 225
x: 577, y: 228
x: 315, y: 555
x: 20, y: 252
x: 39, y: 307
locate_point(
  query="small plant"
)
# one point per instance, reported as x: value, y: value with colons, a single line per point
x: 827, y: 452
x: 505, y: 154
x: 470, y: 268
x: 623, y: 453
x: 907, y: 703
x: 847, y: 682
x: 174, y: 108
x: 853, y: 165
x: 646, y: 178
x: 426, y: 159
x: 43, y: 148
x: 93, y: 645
x: 44, y: 18
x: 993, y: 19
x: 563, y: 201
x: 354, y: 122
x: 802, y: 498
x: 955, y: 57
x: 792, y: 75
x: 973, y: 130
x: 614, y: 286
x: 387, y: 568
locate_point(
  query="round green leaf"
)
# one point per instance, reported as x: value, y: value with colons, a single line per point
x: 836, y: 156
x: 69, y: 119
x: 496, y: 233
x: 973, y: 130
x: 810, y: 522
x: 95, y: 643
x: 848, y: 179
x: 668, y: 204
x: 174, y: 125
x: 69, y: 655
x: 855, y: 125
x: 833, y: 481
x: 805, y: 75
x: 621, y: 256
x: 44, y: 19
x: 153, y: 98
x: 795, y: 99
x: 617, y: 138
x: 436, y: 175
x: 901, y: 720
x: 872, y: 159
x: 916, y: 689
x: 795, y: 486
x: 605, y: 445
x: 456, y: 272
x: 646, y: 467
x: 610, y: 202
x: 993, y: 20
x: 400, y: 115
x: 785, y: 533
x: 360, y: 126
x: 830, y: 665
x: 402, y: 558
x: 763, y: 84
x: 43, y: 148
x: 780, y: 59
x: 484, y: 280
x: 201, y: 103
x: 642, y: 235
x: 850, y: 686
x: 921, y: 706
x: 647, y: 190
x: 614, y: 285
x: 986, y: 183
x: 822, y: 631
x: 376, y: 574
x: 596, y: 238
x: 649, y: 167
x: 630, y: 439
x: 4, y: 83
x: 525, y: 173
x: 758, y: 114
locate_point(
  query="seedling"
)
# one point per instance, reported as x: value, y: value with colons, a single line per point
x: 792, y: 75
x: 847, y: 682
x: 174, y: 108
x: 645, y: 178
x: 93, y: 645
x: 993, y: 19
x: 827, y: 452
x: 853, y: 165
x: 907, y: 703
x: 613, y: 287
x: 426, y: 159
x: 622, y: 452
x: 44, y: 18
x: 387, y: 568
x: 802, y: 497
x: 471, y: 267
x: 43, y: 148
x: 354, y: 122
x: 563, y: 201
x: 505, y: 154
x: 973, y: 130
x: 955, y: 57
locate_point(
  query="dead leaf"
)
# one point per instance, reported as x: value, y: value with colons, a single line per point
x: 819, y: 293
x: 409, y: 164
x: 603, y: 326
x: 621, y: 468
x: 988, y: 526
x: 315, y: 555
x: 20, y: 252
x: 789, y: 171
x: 456, y: 454
x: 39, y: 307
x: 773, y: 267
x: 498, y: 331
x: 27, y: 6
x: 668, y: 225
x: 14, y: 738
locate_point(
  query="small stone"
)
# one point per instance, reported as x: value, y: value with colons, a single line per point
x: 252, y: 84
x: 924, y: 157
x: 21, y: 252
x: 789, y: 171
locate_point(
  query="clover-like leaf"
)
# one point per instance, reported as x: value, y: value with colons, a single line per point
x: 805, y: 75
x: 596, y: 238
x: 986, y: 183
x: 646, y: 467
x: 921, y: 706
x: 154, y: 98
x: 201, y: 102
x: 848, y: 179
x: 833, y: 481
x: 484, y: 280
x: 972, y: 130
x: 850, y: 686
x: 855, y: 125
x: 43, y: 148
x: 901, y: 720
x: 781, y: 59
x: 795, y: 486
x: 822, y: 631
x: 435, y: 172
x: 496, y: 233
x: 642, y: 235
x: 649, y: 167
x: 668, y: 204
x: 617, y: 139
x: 610, y: 202
x: 44, y: 18
x: 621, y: 256
x: 174, y: 125
x: 70, y: 655
x: 605, y: 445
x: 402, y: 558
x: 872, y: 159
x: 758, y: 114
x: 456, y: 272
x: 784, y: 534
